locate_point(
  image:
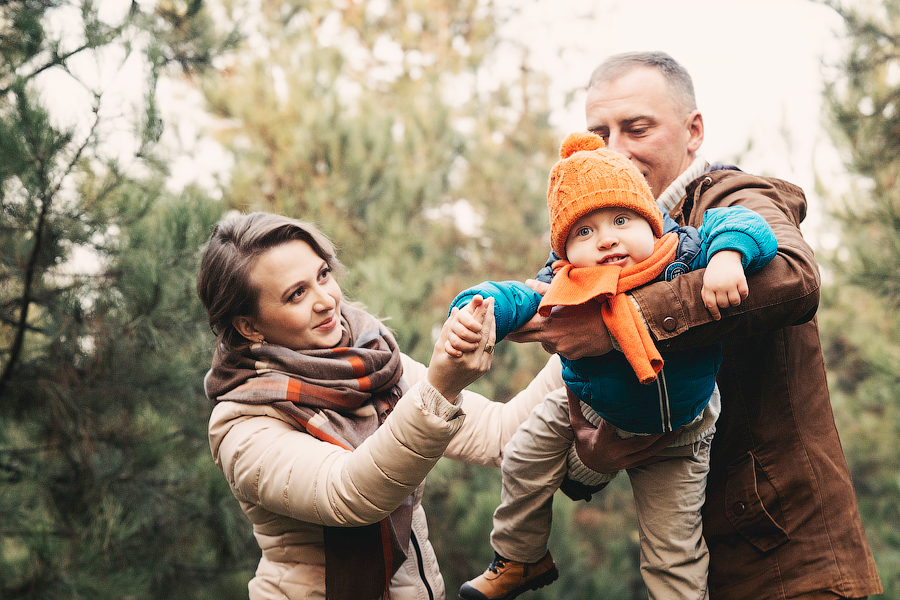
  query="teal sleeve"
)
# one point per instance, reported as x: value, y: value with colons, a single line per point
x: 740, y: 229
x: 514, y: 303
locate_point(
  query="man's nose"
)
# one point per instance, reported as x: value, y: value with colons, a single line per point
x: 618, y: 143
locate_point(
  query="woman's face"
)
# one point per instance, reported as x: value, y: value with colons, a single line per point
x: 299, y: 300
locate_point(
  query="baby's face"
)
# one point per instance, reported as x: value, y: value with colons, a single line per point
x: 609, y: 236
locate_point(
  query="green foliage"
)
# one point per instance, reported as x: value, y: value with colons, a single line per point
x: 860, y: 327
x: 107, y: 488
x: 865, y: 110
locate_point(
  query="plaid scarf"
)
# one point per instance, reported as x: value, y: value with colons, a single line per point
x: 339, y: 395
x: 572, y: 286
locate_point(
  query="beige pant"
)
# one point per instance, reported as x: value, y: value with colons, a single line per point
x: 668, y: 496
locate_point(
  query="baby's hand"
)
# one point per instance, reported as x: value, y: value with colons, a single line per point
x: 450, y: 372
x: 466, y: 326
x: 724, y: 282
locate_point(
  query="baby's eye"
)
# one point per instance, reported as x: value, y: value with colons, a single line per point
x: 583, y: 231
x: 621, y: 220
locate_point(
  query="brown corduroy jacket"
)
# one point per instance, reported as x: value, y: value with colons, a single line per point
x: 781, y: 518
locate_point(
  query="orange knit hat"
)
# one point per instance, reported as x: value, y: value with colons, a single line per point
x: 587, y: 177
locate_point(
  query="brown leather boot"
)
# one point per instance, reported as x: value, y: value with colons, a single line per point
x: 505, y: 579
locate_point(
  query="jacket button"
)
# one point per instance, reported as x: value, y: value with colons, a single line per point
x: 739, y: 508
x: 669, y: 324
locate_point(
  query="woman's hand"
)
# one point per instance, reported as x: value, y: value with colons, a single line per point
x: 464, y: 350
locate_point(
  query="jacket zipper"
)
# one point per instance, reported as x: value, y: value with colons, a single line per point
x: 421, y: 564
x: 664, y: 413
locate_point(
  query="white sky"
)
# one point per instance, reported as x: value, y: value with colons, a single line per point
x: 756, y: 65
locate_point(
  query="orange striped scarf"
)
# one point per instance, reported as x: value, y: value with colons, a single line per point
x: 572, y: 286
x: 364, y: 369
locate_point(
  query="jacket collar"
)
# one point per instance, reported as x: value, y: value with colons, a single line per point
x: 673, y: 194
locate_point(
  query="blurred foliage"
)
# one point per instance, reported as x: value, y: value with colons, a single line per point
x: 371, y: 120
x: 106, y: 488
x: 859, y: 319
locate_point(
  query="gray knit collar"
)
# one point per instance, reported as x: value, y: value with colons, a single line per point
x: 676, y: 190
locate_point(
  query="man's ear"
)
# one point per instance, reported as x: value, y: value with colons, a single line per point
x: 245, y: 327
x: 694, y: 126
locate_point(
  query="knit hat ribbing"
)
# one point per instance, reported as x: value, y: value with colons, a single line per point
x: 588, y: 176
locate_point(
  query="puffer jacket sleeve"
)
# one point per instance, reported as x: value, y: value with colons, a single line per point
x: 514, y: 303
x: 270, y: 463
x: 740, y: 229
x: 489, y: 425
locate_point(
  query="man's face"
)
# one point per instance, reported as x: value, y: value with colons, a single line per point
x: 638, y: 117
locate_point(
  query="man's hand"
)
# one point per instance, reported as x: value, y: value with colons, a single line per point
x: 600, y: 449
x: 572, y: 331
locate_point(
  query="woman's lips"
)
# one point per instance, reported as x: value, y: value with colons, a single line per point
x: 327, y: 324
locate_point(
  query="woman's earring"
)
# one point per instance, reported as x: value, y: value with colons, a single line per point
x: 262, y: 340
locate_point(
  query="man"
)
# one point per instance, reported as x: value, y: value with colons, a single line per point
x: 780, y: 517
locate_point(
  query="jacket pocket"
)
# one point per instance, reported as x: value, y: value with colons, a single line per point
x: 750, y: 501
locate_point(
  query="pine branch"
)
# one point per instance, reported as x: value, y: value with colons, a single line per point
x: 861, y: 28
x: 47, y: 197
x: 56, y: 61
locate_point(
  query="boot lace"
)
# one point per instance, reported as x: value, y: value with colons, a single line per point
x: 498, y: 563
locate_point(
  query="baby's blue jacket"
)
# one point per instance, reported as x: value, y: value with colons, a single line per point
x: 607, y: 383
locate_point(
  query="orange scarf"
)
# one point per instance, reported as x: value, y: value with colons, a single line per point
x: 572, y: 286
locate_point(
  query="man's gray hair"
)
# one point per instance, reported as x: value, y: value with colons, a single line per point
x: 677, y: 78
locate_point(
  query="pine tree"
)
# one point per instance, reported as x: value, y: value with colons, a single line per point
x: 860, y: 325
x: 106, y: 486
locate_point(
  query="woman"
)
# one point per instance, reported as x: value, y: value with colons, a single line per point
x: 324, y: 430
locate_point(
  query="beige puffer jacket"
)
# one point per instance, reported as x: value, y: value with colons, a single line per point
x: 290, y: 484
